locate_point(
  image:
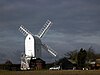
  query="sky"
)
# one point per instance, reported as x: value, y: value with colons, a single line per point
x: 76, y: 24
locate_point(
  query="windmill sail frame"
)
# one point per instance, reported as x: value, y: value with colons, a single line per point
x: 45, y: 28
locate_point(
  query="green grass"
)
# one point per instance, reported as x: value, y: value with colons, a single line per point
x: 47, y: 72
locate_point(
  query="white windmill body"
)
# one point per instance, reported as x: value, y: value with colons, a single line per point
x: 29, y: 46
x: 33, y: 45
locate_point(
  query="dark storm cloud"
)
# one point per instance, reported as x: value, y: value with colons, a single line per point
x: 75, y: 24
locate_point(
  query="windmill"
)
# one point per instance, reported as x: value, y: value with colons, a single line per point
x: 33, y: 45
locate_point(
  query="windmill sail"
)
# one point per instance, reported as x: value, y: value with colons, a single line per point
x: 50, y: 50
x: 24, y: 30
x: 44, y: 29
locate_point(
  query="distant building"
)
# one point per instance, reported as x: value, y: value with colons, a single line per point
x: 37, y: 64
x: 65, y: 63
x: 92, y: 65
x: 98, y: 63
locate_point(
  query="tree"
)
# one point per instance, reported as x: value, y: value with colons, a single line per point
x: 91, y: 55
x: 72, y: 55
x: 8, y: 65
x: 8, y: 62
x: 81, y: 58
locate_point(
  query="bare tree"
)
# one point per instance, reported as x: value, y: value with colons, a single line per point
x: 90, y: 54
x: 72, y: 55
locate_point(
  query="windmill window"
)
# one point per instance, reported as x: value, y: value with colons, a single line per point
x: 29, y: 38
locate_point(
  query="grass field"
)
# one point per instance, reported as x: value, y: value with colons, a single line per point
x: 47, y: 72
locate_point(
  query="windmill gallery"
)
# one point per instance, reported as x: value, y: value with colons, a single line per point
x: 33, y: 46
